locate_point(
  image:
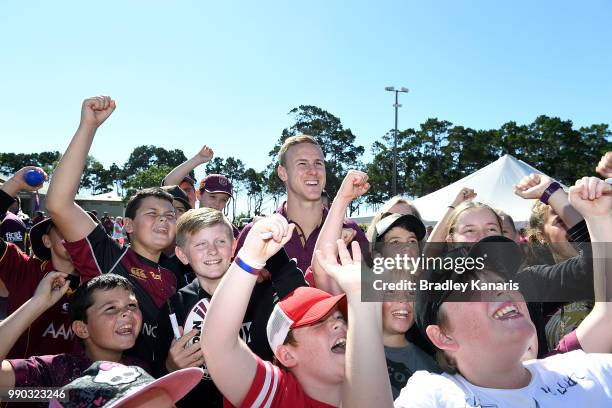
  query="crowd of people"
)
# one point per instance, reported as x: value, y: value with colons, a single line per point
x: 172, y: 305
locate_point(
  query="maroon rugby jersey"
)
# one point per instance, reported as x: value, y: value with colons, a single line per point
x: 51, y: 333
x: 98, y: 253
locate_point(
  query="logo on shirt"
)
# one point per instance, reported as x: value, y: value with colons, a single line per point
x: 65, y: 333
x: 13, y: 236
x: 195, y: 320
x: 155, y: 276
x: 138, y: 273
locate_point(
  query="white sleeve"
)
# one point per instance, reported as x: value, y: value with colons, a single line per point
x: 426, y: 389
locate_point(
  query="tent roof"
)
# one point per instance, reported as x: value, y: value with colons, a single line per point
x: 493, y: 186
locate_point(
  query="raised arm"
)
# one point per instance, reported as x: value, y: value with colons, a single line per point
x: 231, y: 364
x: 179, y: 172
x: 366, y: 382
x: 593, y: 199
x: 438, y: 234
x: 535, y: 185
x: 355, y: 184
x: 50, y: 289
x: 72, y: 220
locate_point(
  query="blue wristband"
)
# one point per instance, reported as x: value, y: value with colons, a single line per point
x: 246, y: 267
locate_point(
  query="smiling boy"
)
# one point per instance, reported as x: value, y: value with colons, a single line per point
x: 205, y: 241
x: 105, y: 317
x: 150, y: 222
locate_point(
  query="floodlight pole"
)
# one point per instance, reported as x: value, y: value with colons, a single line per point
x: 396, y: 106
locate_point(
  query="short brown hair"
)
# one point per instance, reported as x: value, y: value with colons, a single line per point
x: 195, y: 220
x: 136, y: 200
x: 290, y: 340
x: 292, y: 141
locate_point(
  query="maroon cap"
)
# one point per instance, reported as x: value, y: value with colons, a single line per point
x: 216, y: 183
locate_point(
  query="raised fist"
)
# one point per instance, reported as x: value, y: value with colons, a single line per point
x: 532, y: 186
x: 465, y: 194
x: 355, y: 184
x: 205, y: 154
x: 591, y: 197
x: 266, y: 237
x: 96, y: 110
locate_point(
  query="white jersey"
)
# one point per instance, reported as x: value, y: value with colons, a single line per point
x: 573, y: 379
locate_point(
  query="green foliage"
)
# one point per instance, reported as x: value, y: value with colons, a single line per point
x: 337, y: 143
x: 439, y: 153
x: 254, y: 183
x: 143, y: 157
x: 150, y: 177
x: 10, y: 163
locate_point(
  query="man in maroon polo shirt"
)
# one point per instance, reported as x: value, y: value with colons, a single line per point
x: 302, y: 168
x: 150, y: 222
x: 21, y: 274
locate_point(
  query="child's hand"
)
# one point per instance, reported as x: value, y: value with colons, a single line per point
x: 205, y: 154
x: 605, y: 165
x: 532, y: 186
x: 355, y: 184
x: 180, y: 356
x: 96, y: 110
x: 347, y: 273
x: 591, y: 197
x: 51, y: 289
x: 465, y: 194
x: 18, y: 183
x: 267, y: 236
x: 348, y: 234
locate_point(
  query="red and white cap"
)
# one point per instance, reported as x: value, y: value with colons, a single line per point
x: 302, y: 307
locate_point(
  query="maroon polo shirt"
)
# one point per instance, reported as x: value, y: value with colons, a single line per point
x: 51, y: 333
x: 302, y: 248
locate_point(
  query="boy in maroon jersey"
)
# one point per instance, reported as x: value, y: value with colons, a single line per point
x: 105, y: 316
x: 150, y: 223
x: 20, y: 273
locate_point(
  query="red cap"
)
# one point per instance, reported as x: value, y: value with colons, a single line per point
x: 302, y: 307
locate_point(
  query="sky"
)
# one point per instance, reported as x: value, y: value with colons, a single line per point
x: 226, y: 74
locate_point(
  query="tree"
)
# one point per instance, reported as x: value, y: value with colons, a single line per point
x: 143, y: 157
x: 10, y: 163
x: 150, y: 177
x: 337, y: 143
x: 254, y: 182
x: 96, y: 177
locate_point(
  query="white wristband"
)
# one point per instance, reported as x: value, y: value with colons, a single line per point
x: 248, y: 260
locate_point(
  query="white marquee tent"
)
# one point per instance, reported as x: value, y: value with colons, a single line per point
x: 493, y: 185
